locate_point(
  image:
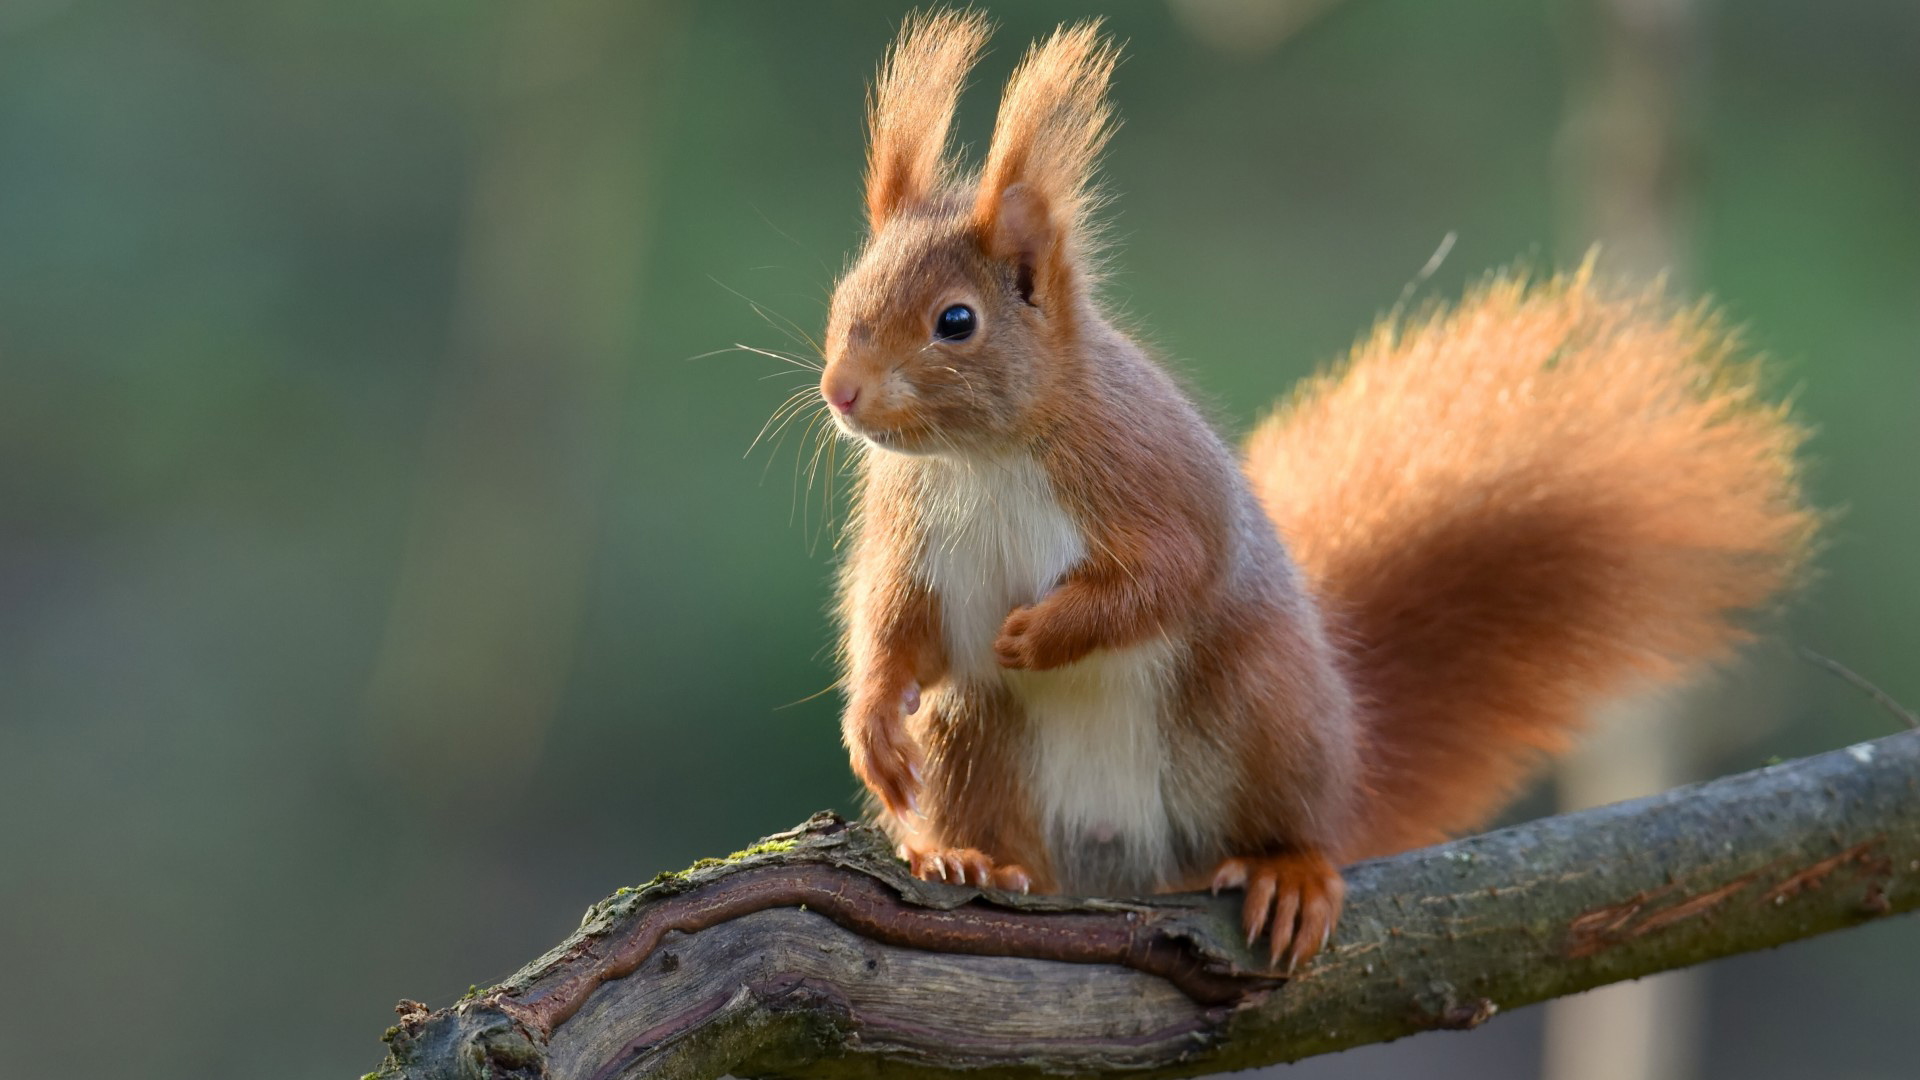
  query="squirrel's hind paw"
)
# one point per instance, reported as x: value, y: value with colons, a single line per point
x: 1296, y: 896
x: 965, y: 866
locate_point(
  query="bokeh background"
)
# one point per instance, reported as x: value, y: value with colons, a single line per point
x: 384, y: 574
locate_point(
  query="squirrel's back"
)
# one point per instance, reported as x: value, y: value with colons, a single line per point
x: 1515, y: 509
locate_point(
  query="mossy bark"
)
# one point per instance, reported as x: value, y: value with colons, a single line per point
x: 814, y: 954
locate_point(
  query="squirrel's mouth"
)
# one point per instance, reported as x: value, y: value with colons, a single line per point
x: 897, y: 440
x: 885, y: 440
x: 854, y: 429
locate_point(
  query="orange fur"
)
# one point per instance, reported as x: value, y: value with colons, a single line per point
x: 1520, y: 508
x: 911, y: 107
x: 1079, y: 654
x: 1054, y: 120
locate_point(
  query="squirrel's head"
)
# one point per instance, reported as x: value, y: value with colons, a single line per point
x: 964, y: 308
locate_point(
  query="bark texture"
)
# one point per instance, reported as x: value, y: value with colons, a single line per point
x: 813, y: 954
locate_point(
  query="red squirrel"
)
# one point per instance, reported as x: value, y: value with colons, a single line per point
x: 1089, y: 648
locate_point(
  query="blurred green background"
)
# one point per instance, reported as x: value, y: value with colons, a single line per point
x: 383, y: 578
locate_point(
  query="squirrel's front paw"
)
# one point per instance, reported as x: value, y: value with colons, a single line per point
x: 1032, y: 642
x: 1296, y: 895
x: 883, y: 753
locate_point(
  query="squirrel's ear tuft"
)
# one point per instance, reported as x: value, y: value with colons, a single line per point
x: 1036, y: 191
x: 911, y: 107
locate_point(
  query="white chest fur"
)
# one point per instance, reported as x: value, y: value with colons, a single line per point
x: 997, y: 538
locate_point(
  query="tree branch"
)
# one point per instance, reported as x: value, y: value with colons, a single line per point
x: 814, y: 954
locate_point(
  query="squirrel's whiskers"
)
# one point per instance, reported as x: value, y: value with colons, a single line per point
x: 1088, y: 647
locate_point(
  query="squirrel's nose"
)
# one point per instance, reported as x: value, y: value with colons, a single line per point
x: 840, y: 390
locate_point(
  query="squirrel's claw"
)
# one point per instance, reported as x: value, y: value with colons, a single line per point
x: 965, y: 866
x: 1296, y: 897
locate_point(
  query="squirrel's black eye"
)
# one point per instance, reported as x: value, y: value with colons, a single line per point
x: 956, y: 323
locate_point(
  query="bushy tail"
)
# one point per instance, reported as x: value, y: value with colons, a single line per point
x: 1518, y: 508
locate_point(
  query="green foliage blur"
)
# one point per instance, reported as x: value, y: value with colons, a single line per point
x: 384, y: 571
